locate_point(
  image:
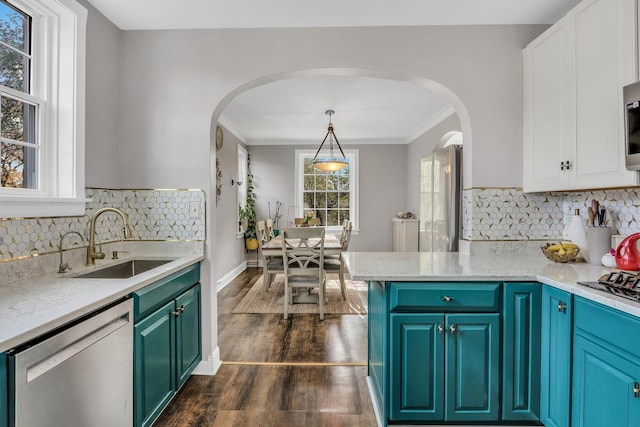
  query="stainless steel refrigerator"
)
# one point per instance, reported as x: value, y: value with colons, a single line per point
x: 440, y: 200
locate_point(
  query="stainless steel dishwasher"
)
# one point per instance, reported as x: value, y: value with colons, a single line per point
x: 80, y: 376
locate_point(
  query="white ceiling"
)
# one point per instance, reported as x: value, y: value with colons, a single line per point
x: 367, y: 109
x: 183, y: 14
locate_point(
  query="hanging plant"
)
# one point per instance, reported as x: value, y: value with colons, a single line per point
x: 248, y: 213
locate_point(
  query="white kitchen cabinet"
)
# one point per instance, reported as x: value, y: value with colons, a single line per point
x: 573, y: 115
x: 405, y: 235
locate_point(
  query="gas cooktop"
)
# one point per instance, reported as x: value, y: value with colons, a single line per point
x: 619, y: 283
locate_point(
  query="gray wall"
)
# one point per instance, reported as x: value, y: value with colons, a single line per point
x: 229, y: 250
x: 102, y: 163
x: 419, y: 148
x: 381, y: 187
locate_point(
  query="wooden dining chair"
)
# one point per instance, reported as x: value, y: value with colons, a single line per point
x: 334, y: 263
x: 269, y: 225
x: 271, y: 265
x: 303, y: 254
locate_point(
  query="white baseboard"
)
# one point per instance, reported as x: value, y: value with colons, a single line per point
x: 227, y: 278
x: 209, y: 366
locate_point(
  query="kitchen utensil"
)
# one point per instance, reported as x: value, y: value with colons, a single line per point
x: 592, y: 216
x: 601, y: 217
x: 627, y: 254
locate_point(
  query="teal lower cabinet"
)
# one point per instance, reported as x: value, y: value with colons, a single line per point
x: 606, y: 367
x: 445, y: 367
x: 167, y: 341
x: 456, y: 353
x: 4, y: 388
x: 521, y: 352
x: 555, y: 372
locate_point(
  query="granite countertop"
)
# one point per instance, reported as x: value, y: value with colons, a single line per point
x: 33, y: 306
x: 454, y: 266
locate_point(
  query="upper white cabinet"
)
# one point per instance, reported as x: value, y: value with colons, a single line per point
x: 573, y: 115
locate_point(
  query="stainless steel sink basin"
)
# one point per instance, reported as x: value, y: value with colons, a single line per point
x: 125, y: 269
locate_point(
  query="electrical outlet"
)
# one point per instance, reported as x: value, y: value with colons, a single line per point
x: 194, y: 210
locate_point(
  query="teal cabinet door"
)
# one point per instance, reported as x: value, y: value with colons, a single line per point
x: 472, y: 367
x: 605, y: 385
x: 556, y: 353
x: 4, y: 395
x: 521, y: 352
x: 154, y: 364
x: 188, y: 333
x: 378, y: 363
x: 417, y: 367
x: 606, y: 367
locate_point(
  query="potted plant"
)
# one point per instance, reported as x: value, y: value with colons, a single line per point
x: 248, y: 213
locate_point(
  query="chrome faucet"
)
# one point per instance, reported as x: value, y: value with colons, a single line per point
x: 64, y: 266
x: 92, y: 255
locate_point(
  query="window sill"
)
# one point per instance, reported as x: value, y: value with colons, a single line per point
x: 32, y: 207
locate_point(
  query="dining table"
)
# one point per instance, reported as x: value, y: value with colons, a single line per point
x: 273, y: 247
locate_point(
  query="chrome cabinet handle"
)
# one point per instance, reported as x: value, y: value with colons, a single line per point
x: 181, y: 309
x: 452, y: 328
x: 562, y: 307
x: 636, y: 389
x: 440, y: 329
x: 447, y: 299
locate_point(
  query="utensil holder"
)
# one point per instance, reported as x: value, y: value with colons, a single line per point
x: 598, y: 244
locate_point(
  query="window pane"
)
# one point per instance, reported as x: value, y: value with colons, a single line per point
x: 18, y: 166
x: 344, y: 214
x: 321, y: 200
x: 321, y: 183
x: 343, y: 182
x: 14, y: 32
x: 332, y: 218
x: 332, y: 200
x: 309, y: 183
x: 18, y: 120
x: 343, y: 201
x: 14, y: 27
x: 307, y: 199
x: 308, y: 166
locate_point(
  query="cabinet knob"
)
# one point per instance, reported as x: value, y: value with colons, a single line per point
x: 181, y: 309
x: 562, y: 307
x: 447, y: 299
x: 636, y: 390
x: 440, y: 329
x: 561, y: 166
x: 176, y: 313
x: 452, y: 328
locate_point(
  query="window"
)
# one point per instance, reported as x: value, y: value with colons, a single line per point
x: 241, y: 175
x: 332, y: 195
x: 42, y: 69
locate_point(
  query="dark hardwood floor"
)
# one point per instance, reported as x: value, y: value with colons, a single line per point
x: 276, y: 372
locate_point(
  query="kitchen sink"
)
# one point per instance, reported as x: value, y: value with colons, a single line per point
x: 125, y: 269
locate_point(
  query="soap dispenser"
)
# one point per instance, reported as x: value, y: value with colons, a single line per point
x: 577, y: 233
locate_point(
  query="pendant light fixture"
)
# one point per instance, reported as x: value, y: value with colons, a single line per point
x: 331, y: 163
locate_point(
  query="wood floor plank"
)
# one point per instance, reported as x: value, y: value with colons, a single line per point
x: 305, y: 372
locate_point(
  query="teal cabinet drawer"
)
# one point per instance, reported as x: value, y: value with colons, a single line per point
x: 597, y: 320
x: 147, y: 299
x: 444, y: 297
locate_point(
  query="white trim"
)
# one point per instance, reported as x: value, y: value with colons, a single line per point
x: 354, y: 161
x: 58, y: 79
x: 227, y: 278
x: 343, y: 142
x: 209, y: 366
x: 228, y: 125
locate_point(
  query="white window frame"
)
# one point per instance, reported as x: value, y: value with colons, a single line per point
x: 58, y: 82
x: 354, y: 199
x: 241, y: 190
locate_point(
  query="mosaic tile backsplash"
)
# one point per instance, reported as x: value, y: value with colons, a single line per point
x: 153, y: 215
x: 509, y: 214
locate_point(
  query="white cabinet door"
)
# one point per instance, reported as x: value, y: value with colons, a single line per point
x: 573, y: 78
x: 605, y: 60
x: 548, y: 112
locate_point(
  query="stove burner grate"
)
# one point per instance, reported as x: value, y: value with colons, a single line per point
x: 620, y: 283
